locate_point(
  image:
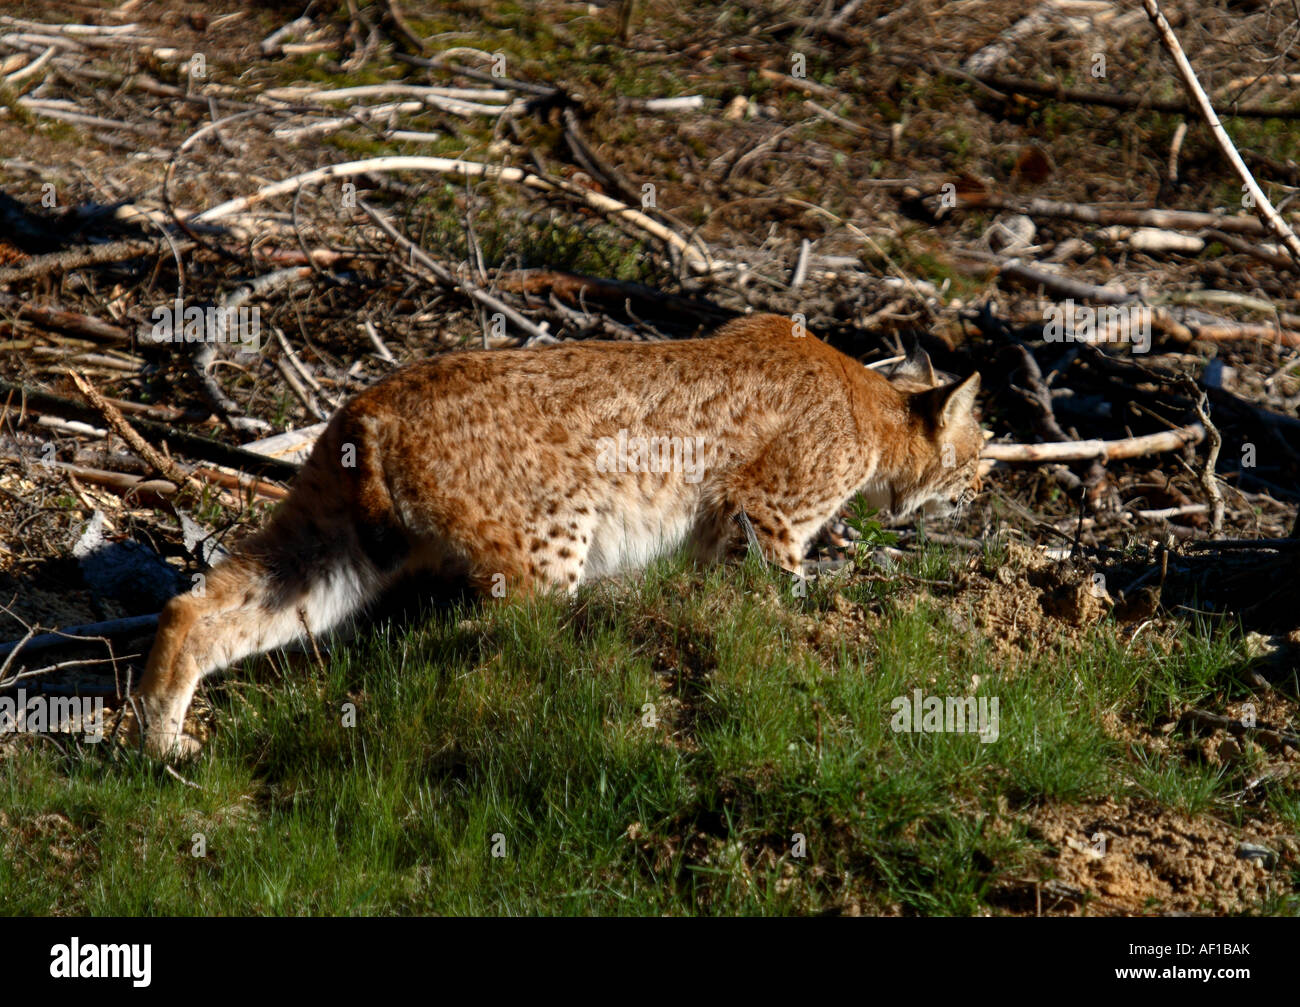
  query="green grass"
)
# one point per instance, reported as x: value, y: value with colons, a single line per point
x: 526, y: 726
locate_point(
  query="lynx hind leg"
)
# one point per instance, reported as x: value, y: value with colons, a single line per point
x: 250, y: 604
x: 329, y: 550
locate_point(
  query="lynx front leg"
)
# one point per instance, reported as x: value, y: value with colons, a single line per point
x: 727, y: 529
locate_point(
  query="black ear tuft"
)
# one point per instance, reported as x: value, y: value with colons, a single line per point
x: 917, y: 366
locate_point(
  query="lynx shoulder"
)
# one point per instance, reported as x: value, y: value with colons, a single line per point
x: 533, y: 469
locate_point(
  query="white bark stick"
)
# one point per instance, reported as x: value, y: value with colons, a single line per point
x: 464, y: 169
x: 1274, y: 219
x: 1072, y: 451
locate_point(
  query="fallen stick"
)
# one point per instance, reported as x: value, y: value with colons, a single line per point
x: 118, y: 424
x: 591, y: 162
x: 1083, y: 96
x: 68, y: 29
x: 1275, y: 259
x: 31, y: 69
x: 385, y: 354
x: 1208, y: 479
x: 95, y: 632
x: 76, y: 258
x: 290, y: 448
x: 155, y: 492
x: 446, y: 277
x: 1165, y: 513
x: 72, y: 322
x: 326, y: 95
x: 1213, y: 721
x: 37, y: 107
x: 1074, y: 451
x: 403, y: 26
x: 240, y: 482
x: 687, y: 102
x: 1233, y: 544
x: 1175, y: 220
x: 142, y: 490
x: 1061, y: 286
x: 464, y: 170
x: 1261, y: 202
x: 190, y: 444
x: 294, y: 29
x: 575, y: 288
x: 1243, y: 331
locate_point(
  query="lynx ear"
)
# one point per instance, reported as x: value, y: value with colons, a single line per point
x: 960, y: 402
x: 917, y: 366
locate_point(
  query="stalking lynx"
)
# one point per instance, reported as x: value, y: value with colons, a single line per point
x: 527, y: 469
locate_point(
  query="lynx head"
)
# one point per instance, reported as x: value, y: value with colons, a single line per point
x: 944, y: 443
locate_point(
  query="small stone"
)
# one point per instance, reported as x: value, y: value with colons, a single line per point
x: 1261, y: 854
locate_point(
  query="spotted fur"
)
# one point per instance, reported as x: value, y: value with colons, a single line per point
x: 488, y: 465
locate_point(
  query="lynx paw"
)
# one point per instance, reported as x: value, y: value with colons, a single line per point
x: 172, y: 746
x: 176, y: 748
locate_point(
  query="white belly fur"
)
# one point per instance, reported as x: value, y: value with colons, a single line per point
x: 632, y: 539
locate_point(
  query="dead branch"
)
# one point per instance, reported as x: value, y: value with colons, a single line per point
x: 1202, y: 101
x: 403, y: 27
x: 72, y: 322
x: 1074, y: 451
x: 446, y: 277
x: 192, y: 445
x: 1039, y: 396
x: 117, y: 422
x: 1203, y: 718
x: 239, y: 481
x: 1209, y: 482
x: 1289, y: 544
x: 577, y: 289
x: 140, y: 490
x: 1001, y: 85
x: 76, y: 258
x: 1176, y: 220
x: 1060, y: 286
x: 465, y: 170
x: 289, y: 449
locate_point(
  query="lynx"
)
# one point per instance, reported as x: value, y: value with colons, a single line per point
x: 544, y: 468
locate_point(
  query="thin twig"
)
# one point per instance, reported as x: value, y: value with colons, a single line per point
x: 1202, y: 101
